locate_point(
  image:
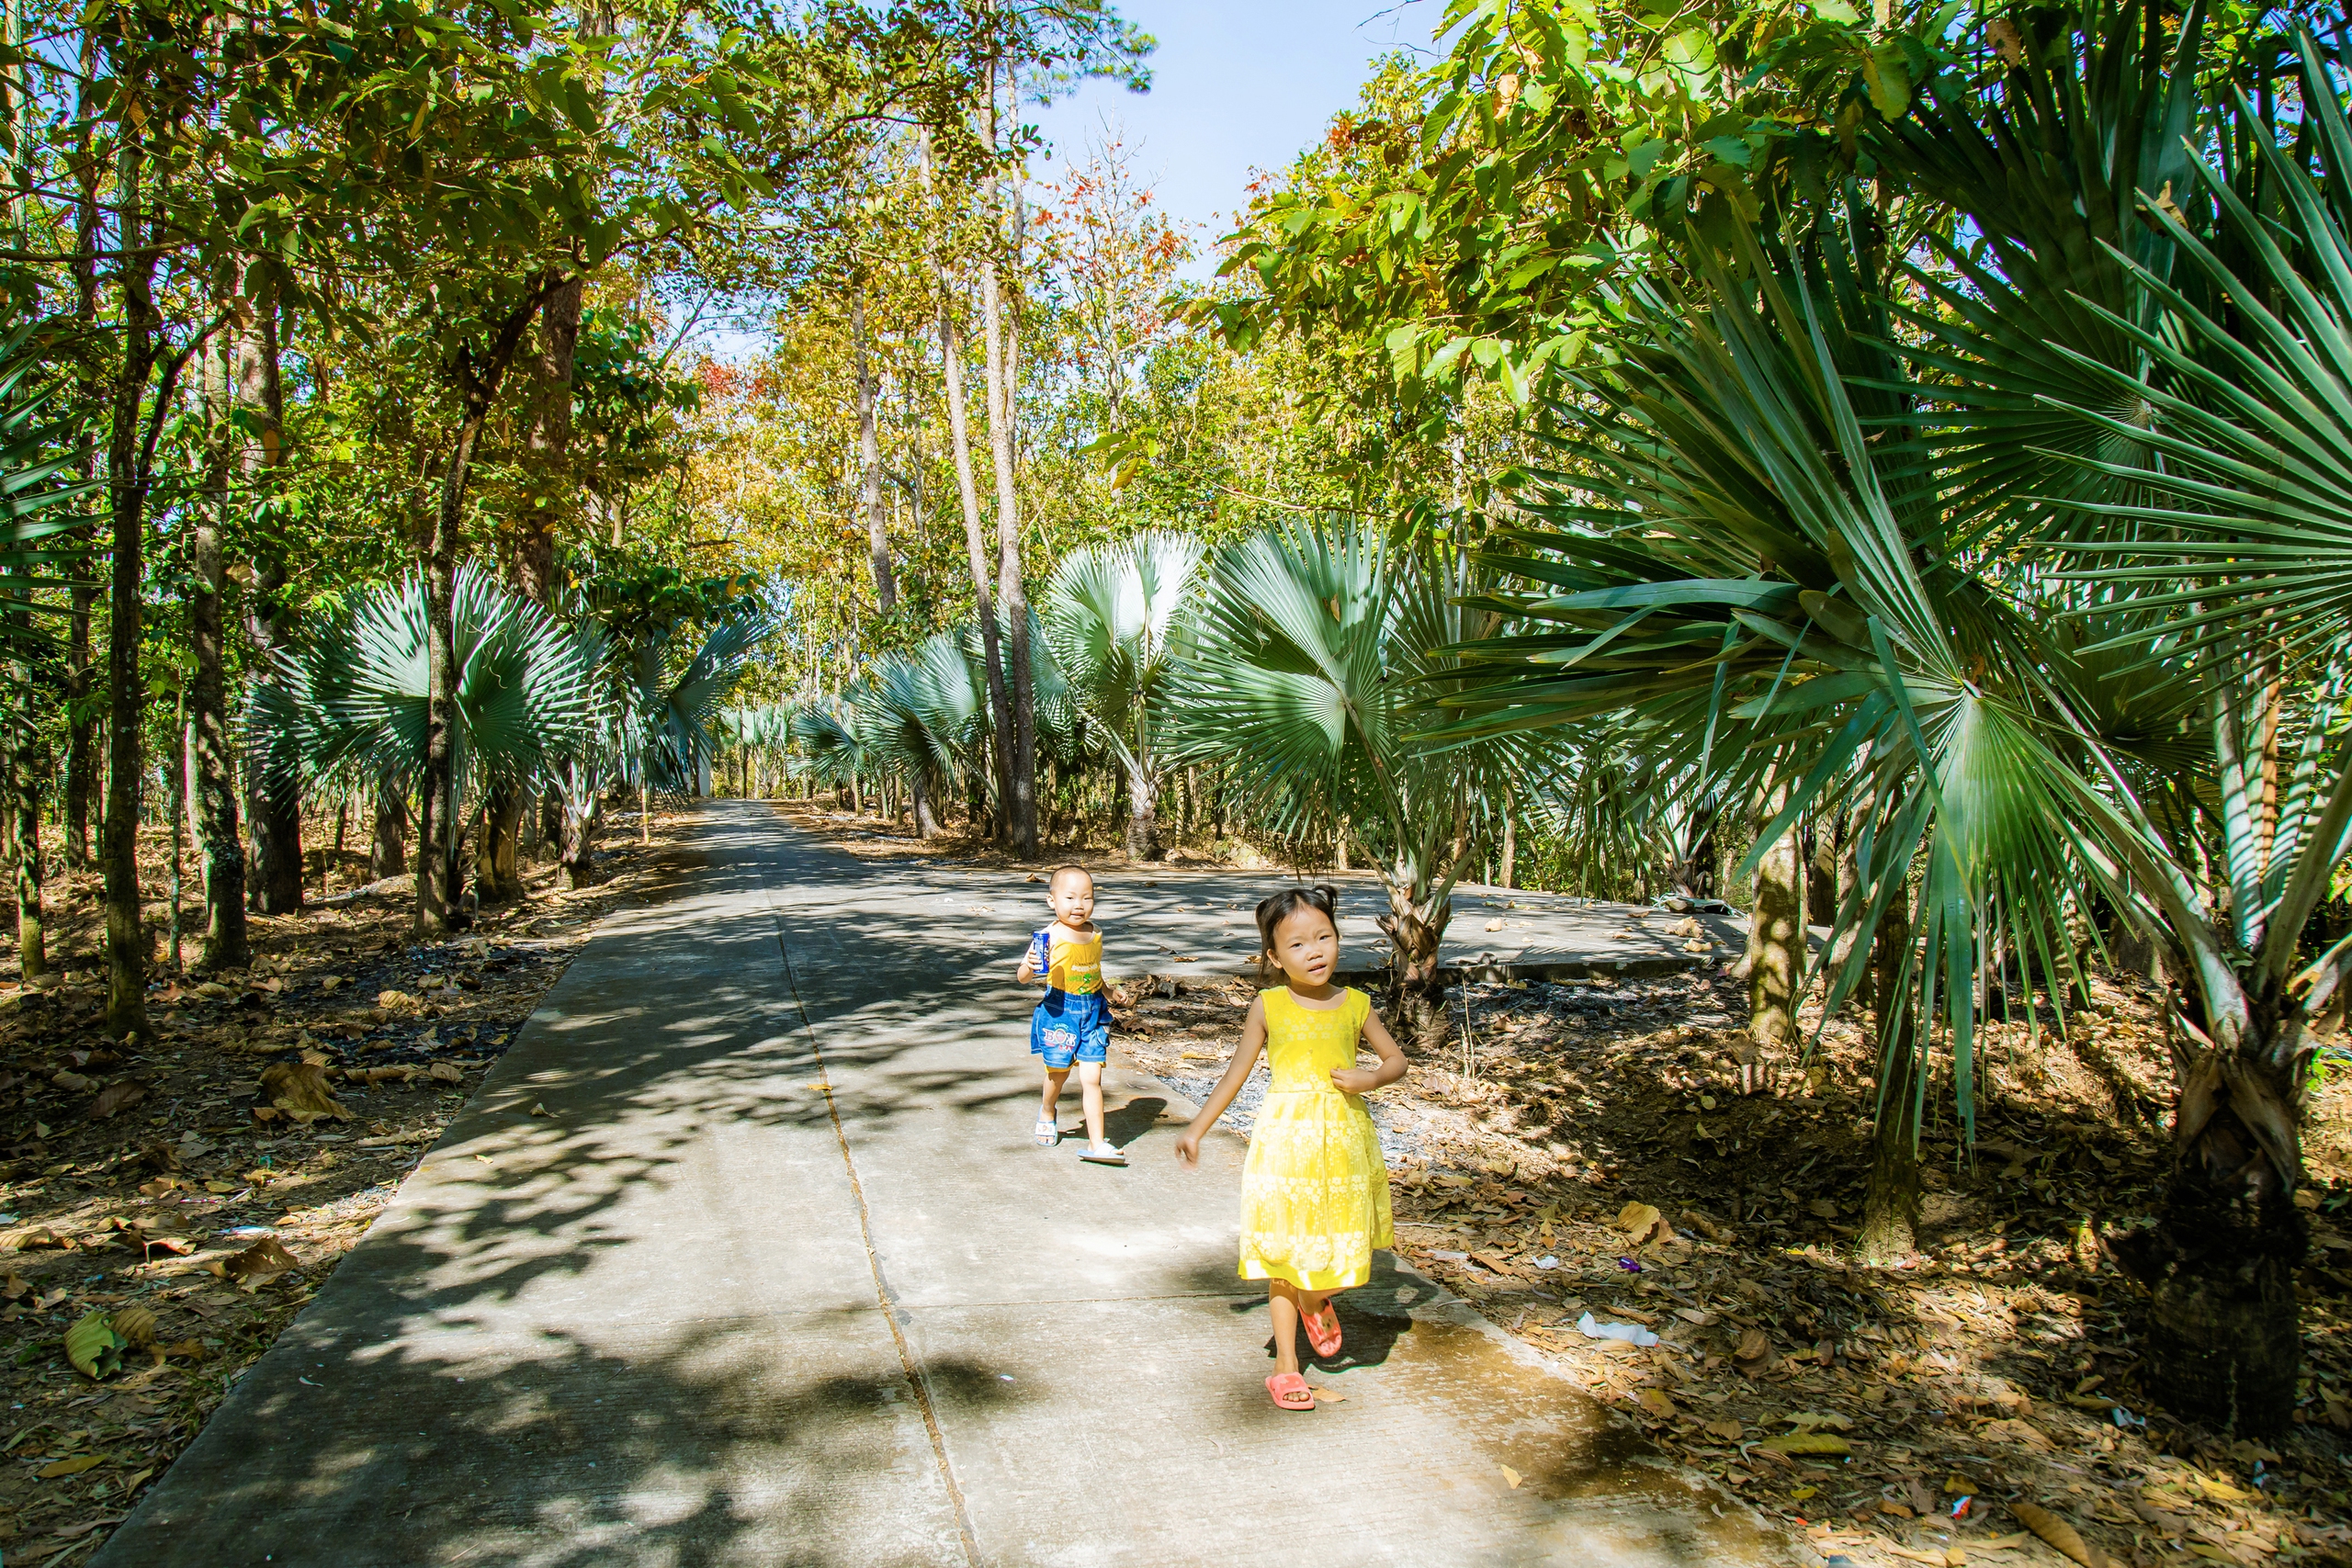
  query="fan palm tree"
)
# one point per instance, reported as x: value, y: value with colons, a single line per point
x: 1111, y: 617
x: 924, y: 719
x: 2017, y: 732
x: 1310, y: 674
x: 349, y: 700
x: 1763, y: 421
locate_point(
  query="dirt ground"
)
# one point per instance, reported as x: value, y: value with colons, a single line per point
x: 192, y: 1193
x: 1592, y: 1152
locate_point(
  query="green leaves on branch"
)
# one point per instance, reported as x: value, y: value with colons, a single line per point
x: 1475, y: 217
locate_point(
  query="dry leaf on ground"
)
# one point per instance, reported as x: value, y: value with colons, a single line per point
x: 2061, y: 1535
x: 116, y: 1097
x: 300, y: 1087
x: 257, y: 1264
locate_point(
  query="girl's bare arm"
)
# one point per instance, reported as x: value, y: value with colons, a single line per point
x: 1237, y: 1073
x: 1359, y: 1080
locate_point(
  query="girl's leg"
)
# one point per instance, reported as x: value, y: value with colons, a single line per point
x: 1050, y: 1109
x: 1089, y: 1090
x: 1281, y: 1305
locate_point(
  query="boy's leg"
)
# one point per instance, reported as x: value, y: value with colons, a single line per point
x: 1050, y: 1109
x: 1089, y: 1090
x: 1281, y: 1305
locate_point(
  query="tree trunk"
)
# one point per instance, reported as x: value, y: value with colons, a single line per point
x: 221, y: 854
x: 1142, y: 816
x: 577, y: 857
x: 1849, y: 893
x: 926, y: 816
x: 438, y: 867
x: 1416, y: 929
x: 497, y: 879
x: 81, y: 725
x: 439, y: 870
x: 1012, y: 594
x: 2222, y: 1344
x: 1510, y: 841
x: 869, y: 454
x: 1775, y: 930
x: 275, y: 805
x: 388, y: 846
x: 1890, y: 1201
x: 178, y: 776
x: 127, y: 467
x: 549, y: 443
x: 23, y: 849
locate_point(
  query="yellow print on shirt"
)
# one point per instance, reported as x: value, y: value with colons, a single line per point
x: 1077, y: 968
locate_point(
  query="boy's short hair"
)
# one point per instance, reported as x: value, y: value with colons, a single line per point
x: 1054, y: 877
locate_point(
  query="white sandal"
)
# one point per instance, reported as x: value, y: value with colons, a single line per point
x: 1109, y: 1154
x: 1048, y: 1134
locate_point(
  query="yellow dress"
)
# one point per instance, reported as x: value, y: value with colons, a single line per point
x: 1313, y: 1189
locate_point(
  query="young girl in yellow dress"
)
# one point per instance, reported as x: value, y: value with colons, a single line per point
x: 1313, y: 1189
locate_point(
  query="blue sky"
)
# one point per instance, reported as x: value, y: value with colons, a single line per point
x: 1237, y: 85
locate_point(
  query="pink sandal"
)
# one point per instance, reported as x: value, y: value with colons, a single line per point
x: 1290, y: 1392
x: 1323, y: 1331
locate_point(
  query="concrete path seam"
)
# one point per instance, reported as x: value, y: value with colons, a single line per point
x: 883, y: 1297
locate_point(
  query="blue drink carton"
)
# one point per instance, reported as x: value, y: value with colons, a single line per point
x: 1041, y: 950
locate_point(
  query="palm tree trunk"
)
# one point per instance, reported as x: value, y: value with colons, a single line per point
x: 388, y: 846
x: 497, y: 879
x: 1891, y: 1201
x: 1415, y: 926
x: 1143, y: 815
x: 1775, y: 930
x: 2224, y: 1343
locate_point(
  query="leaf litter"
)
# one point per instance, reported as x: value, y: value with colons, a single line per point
x: 1679, y: 1178
x: 287, y: 1100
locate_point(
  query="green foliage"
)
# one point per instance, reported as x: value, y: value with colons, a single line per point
x: 1112, y: 617
x: 349, y: 700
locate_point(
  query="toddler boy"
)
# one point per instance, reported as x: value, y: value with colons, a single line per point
x: 1072, y: 1025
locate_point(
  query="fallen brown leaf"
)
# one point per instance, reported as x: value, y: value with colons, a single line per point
x: 257, y: 1264
x: 2062, y: 1536
x: 300, y: 1087
x: 136, y: 1324
x: 73, y: 1466
x: 116, y: 1097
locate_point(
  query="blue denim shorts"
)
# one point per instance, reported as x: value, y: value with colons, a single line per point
x: 1067, y: 1029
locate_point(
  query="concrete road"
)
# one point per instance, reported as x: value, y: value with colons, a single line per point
x: 784, y: 1281
x: 1175, y: 921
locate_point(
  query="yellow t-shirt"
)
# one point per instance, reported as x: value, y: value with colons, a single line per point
x: 1077, y: 968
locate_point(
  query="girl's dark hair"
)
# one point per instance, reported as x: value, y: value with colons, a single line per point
x: 1273, y: 912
